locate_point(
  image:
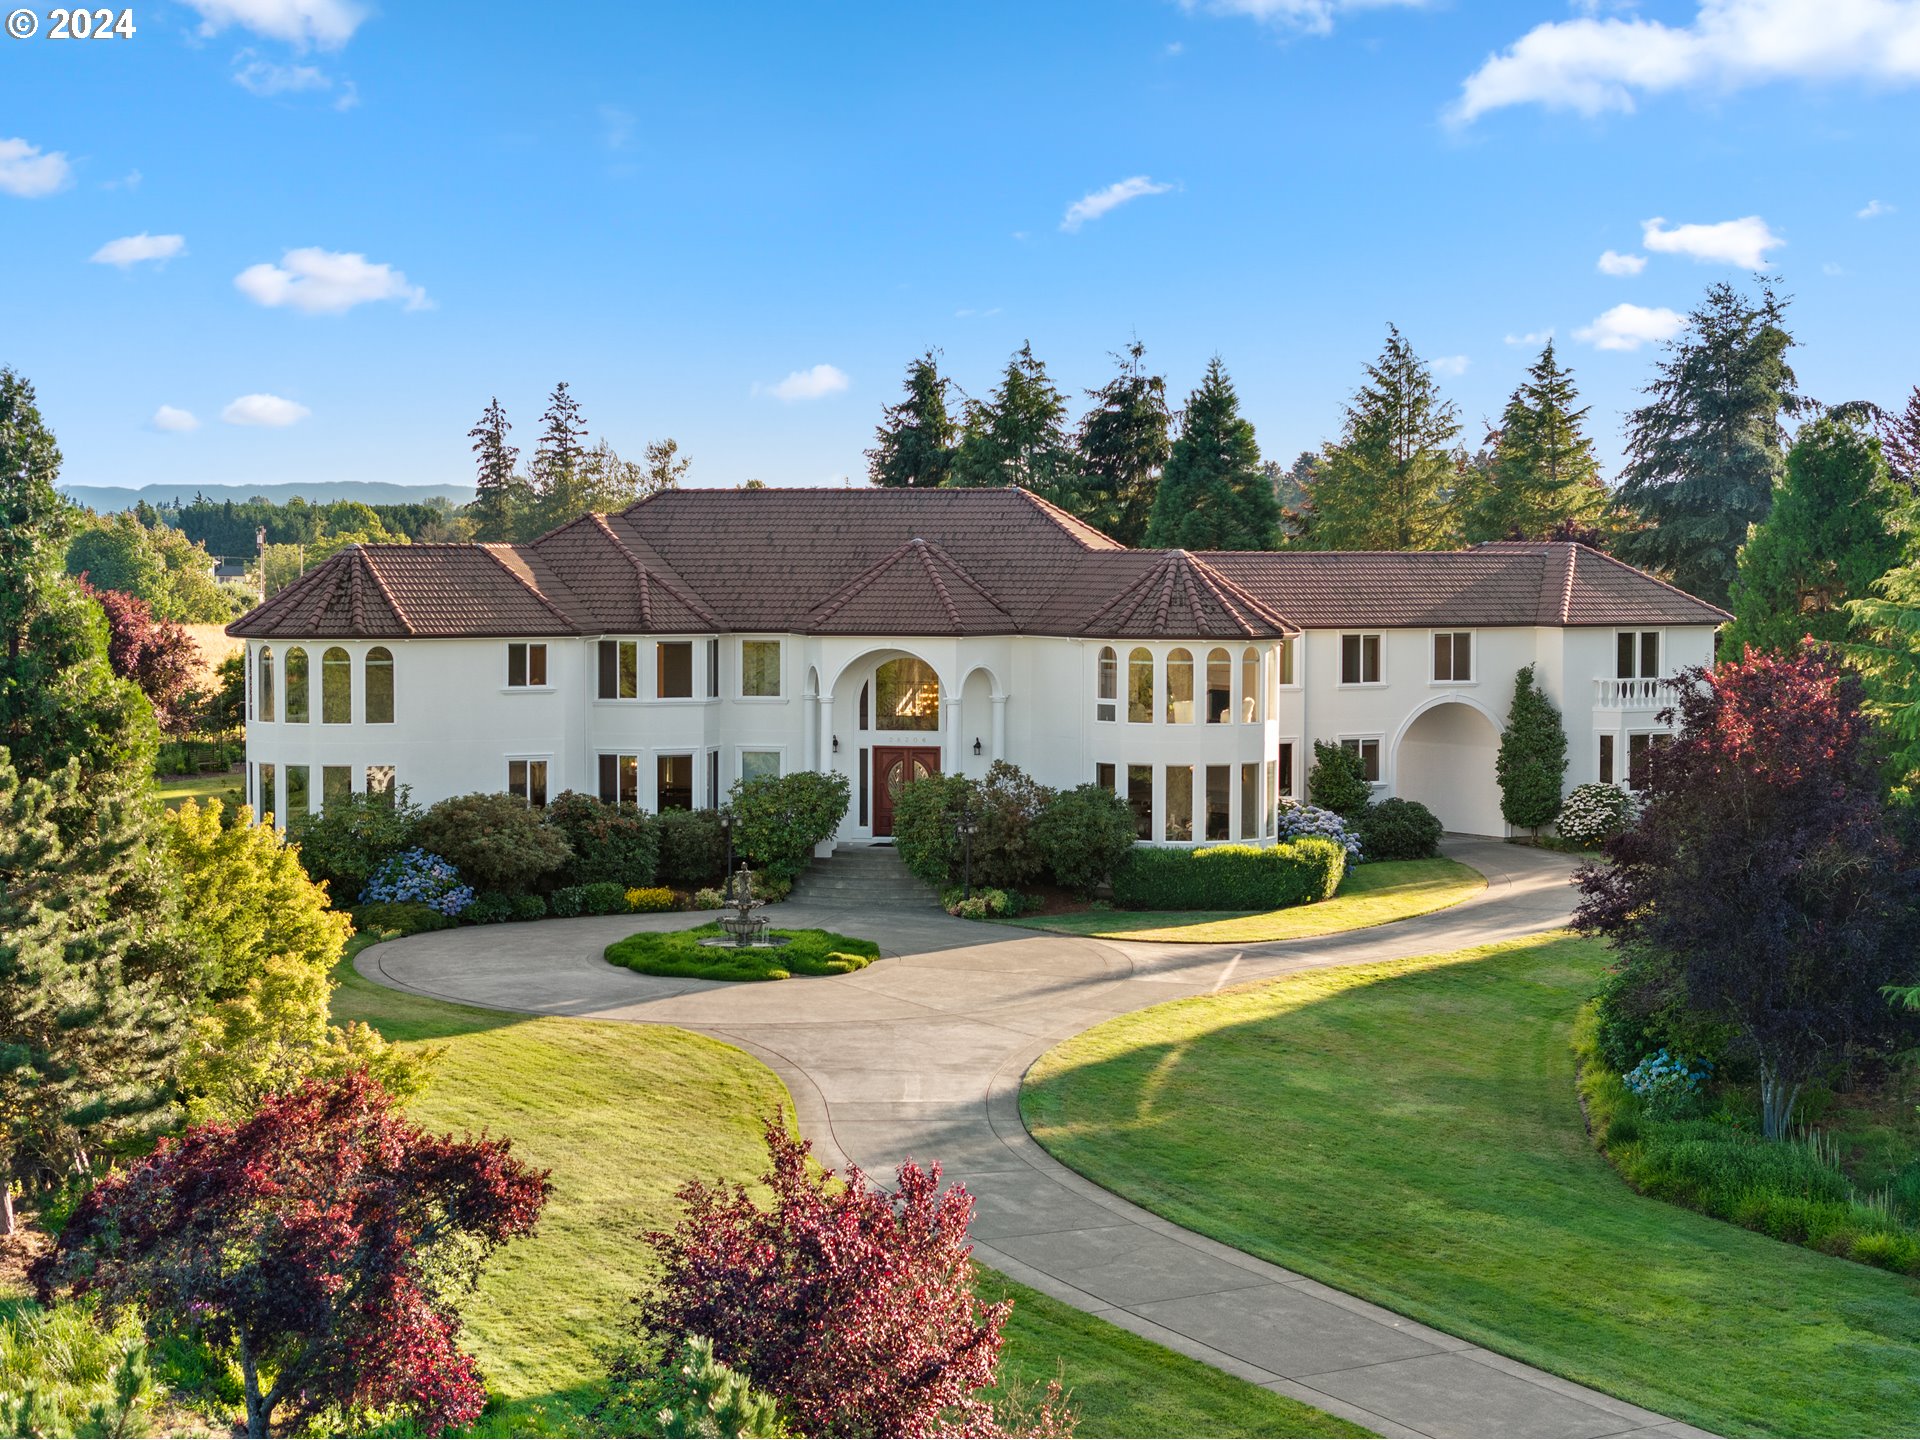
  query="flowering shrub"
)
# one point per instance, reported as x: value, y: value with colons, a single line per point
x: 421, y: 878
x: 709, y: 897
x: 650, y: 898
x: 1297, y: 822
x: 1667, y: 1084
x: 1594, y: 813
x: 982, y: 904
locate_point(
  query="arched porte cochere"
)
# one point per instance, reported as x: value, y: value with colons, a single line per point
x: 1445, y: 760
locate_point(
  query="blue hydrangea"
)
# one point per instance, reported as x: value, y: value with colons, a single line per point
x: 1299, y: 821
x: 1667, y: 1082
x: 424, y: 879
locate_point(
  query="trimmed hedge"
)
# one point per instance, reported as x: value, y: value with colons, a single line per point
x: 1230, y: 877
x: 1399, y: 830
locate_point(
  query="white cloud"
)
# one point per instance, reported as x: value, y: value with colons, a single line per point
x: 1451, y: 365
x: 814, y: 384
x: 1874, y: 209
x: 1612, y: 262
x: 267, y: 78
x: 1175, y: 48
x: 617, y: 127
x: 1628, y: 327
x: 1532, y: 337
x: 326, y: 23
x: 1829, y: 268
x: 128, y: 181
x: 1315, y: 16
x: 26, y: 172
x: 178, y: 422
x: 1593, y: 65
x: 1093, y: 206
x: 264, y: 410
x: 326, y: 282
x: 130, y: 250
x: 1742, y: 242
x: 972, y: 314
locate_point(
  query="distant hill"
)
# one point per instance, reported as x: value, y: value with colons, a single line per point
x: 109, y: 498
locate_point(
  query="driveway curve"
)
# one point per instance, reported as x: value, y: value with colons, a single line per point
x: 922, y: 1054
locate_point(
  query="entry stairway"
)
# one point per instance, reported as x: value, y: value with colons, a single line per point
x: 862, y: 877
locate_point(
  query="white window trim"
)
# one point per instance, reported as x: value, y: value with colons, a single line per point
x: 740, y: 753
x: 593, y: 671
x: 1637, y: 631
x: 1118, y: 700
x: 650, y: 693
x: 506, y: 773
x: 1299, y: 644
x: 696, y: 753
x: 1341, y: 661
x: 1360, y: 736
x: 1473, y: 658
x: 506, y: 669
x: 1297, y: 779
x: 740, y: 671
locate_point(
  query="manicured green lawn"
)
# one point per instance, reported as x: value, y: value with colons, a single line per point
x: 1409, y: 1132
x: 173, y: 790
x: 681, y: 953
x: 623, y: 1114
x: 1370, y: 895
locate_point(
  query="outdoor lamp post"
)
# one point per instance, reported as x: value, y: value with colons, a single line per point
x: 966, y: 828
x: 726, y: 829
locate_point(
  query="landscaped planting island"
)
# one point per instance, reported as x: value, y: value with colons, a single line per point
x: 688, y: 954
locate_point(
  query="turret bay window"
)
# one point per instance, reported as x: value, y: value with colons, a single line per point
x: 619, y: 664
x: 267, y: 806
x: 620, y: 779
x: 1219, y: 686
x: 673, y: 670
x: 1219, y: 798
x: 336, y: 687
x: 1249, y: 686
x: 1140, y: 800
x: 379, y: 686
x: 1359, y: 659
x: 1250, y: 800
x: 674, y: 782
x: 906, y: 695
x: 263, y: 696
x: 1180, y: 686
x: 1140, y: 686
x: 1108, y: 692
x: 336, y: 784
x: 298, y: 801
x: 1368, y: 749
x: 760, y: 669
x: 527, y: 780
x: 296, y: 687
x: 380, y: 783
x: 1179, y: 802
x: 1453, y: 656
x: 526, y: 665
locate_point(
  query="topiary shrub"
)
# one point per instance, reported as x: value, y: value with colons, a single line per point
x: 619, y: 843
x: 925, y: 813
x: 1399, y: 830
x: 496, y: 840
x: 1532, y: 763
x: 1083, y: 835
x: 1593, y: 814
x: 693, y: 849
x: 1304, y: 822
x: 652, y: 899
x: 399, y: 917
x: 779, y: 819
x: 1230, y: 877
x: 1338, y: 780
x: 353, y: 837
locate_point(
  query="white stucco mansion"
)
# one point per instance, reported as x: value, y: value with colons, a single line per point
x: 659, y: 654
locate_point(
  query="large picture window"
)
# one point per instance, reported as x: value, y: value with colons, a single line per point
x: 906, y: 696
x: 1140, y: 686
x: 673, y: 777
x: 759, y: 764
x: 620, y: 779
x: 619, y: 670
x: 760, y: 668
x: 336, y: 687
x: 379, y: 686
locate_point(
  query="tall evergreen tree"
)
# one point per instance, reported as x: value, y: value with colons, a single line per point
x: 1887, y: 655
x: 1214, y: 495
x: 501, y: 494
x: 915, y: 439
x: 1389, y: 482
x: 1292, y: 487
x: 665, y: 467
x: 1900, y: 439
x: 1124, y: 442
x: 1837, y: 525
x: 1532, y: 763
x: 1018, y: 435
x: 1543, y: 473
x: 1706, y: 450
x: 559, y: 462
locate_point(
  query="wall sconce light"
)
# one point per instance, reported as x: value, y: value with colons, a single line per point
x: 836, y: 744
x: 976, y: 746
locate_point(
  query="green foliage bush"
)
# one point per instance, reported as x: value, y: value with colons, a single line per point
x: 495, y: 840
x: 779, y: 819
x: 687, y: 1393
x: 924, y: 816
x: 1006, y: 804
x: 529, y: 907
x: 488, y: 909
x: 65, y: 1372
x: 693, y: 849
x: 1230, y: 877
x: 1641, y: 1009
x: 1083, y: 835
x: 354, y: 836
x: 618, y: 843
x: 680, y: 953
x: 982, y: 904
x: 1399, y: 830
x: 603, y: 897
x: 1338, y: 780
x: 400, y: 917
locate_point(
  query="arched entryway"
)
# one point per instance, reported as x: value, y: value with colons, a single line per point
x: 1445, y: 760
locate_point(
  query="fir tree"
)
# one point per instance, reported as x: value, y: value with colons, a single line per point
x: 1124, y: 444
x: 559, y: 462
x: 501, y: 495
x: 1018, y: 435
x: 1292, y: 487
x: 1837, y: 526
x: 1532, y: 762
x: 1389, y: 482
x: 915, y: 438
x: 1706, y: 451
x: 1900, y: 439
x: 1214, y: 495
x: 1543, y: 473
x: 1887, y: 655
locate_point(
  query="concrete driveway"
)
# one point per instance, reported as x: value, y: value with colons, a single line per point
x: 921, y: 1054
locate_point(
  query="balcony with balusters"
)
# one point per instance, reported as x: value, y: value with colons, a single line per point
x: 1636, y: 694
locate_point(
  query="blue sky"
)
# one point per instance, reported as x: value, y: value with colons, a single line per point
x: 388, y: 214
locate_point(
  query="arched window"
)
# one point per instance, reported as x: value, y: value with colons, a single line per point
x: 336, y: 687
x: 906, y: 696
x: 1108, y: 692
x: 1140, y: 686
x: 379, y: 686
x: 1180, y: 686
x: 263, y: 696
x: 296, y: 691
x: 1249, y: 685
x: 1219, y: 686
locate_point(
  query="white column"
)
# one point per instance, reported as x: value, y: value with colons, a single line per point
x: 999, y: 727
x: 823, y: 735
x: 809, y: 744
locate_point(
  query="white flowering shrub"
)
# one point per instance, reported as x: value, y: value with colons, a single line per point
x: 1595, y: 813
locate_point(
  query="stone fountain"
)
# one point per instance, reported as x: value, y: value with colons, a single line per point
x: 745, y: 928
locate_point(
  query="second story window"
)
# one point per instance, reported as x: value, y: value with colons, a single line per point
x: 1359, y: 659
x: 1453, y: 656
x: 1140, y: 686
x: 1109, y: 689
x: 673, y: 661
x: 526, y: 665
x: 1637, y: 655
x: 619, y: 670
x: 760, y: 668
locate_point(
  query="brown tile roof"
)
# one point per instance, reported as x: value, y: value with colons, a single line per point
x: 1503, y: 583
x: 934, y: 562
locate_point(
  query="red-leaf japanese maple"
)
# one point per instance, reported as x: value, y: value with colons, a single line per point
x: 324, y: 1240
x: 157, y: 655
x: 852, y: 1306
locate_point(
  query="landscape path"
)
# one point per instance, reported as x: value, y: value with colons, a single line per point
x: 922, y: 1054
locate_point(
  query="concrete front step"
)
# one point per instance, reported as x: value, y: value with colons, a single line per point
x: 863, y: 875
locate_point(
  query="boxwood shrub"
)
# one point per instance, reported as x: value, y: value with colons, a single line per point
x: 603, y: 897
x: 1399, y: 830
x: 1230, y: 877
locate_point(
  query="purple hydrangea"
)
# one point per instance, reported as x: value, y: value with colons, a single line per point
x: 1297, y: 822
x: 420, y: 878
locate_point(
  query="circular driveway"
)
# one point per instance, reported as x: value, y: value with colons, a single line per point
x: 921, y: 1054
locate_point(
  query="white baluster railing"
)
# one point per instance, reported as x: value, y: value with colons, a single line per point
x: 1647, y: 694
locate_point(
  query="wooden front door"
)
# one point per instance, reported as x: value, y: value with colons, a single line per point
x: 894, y: 766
